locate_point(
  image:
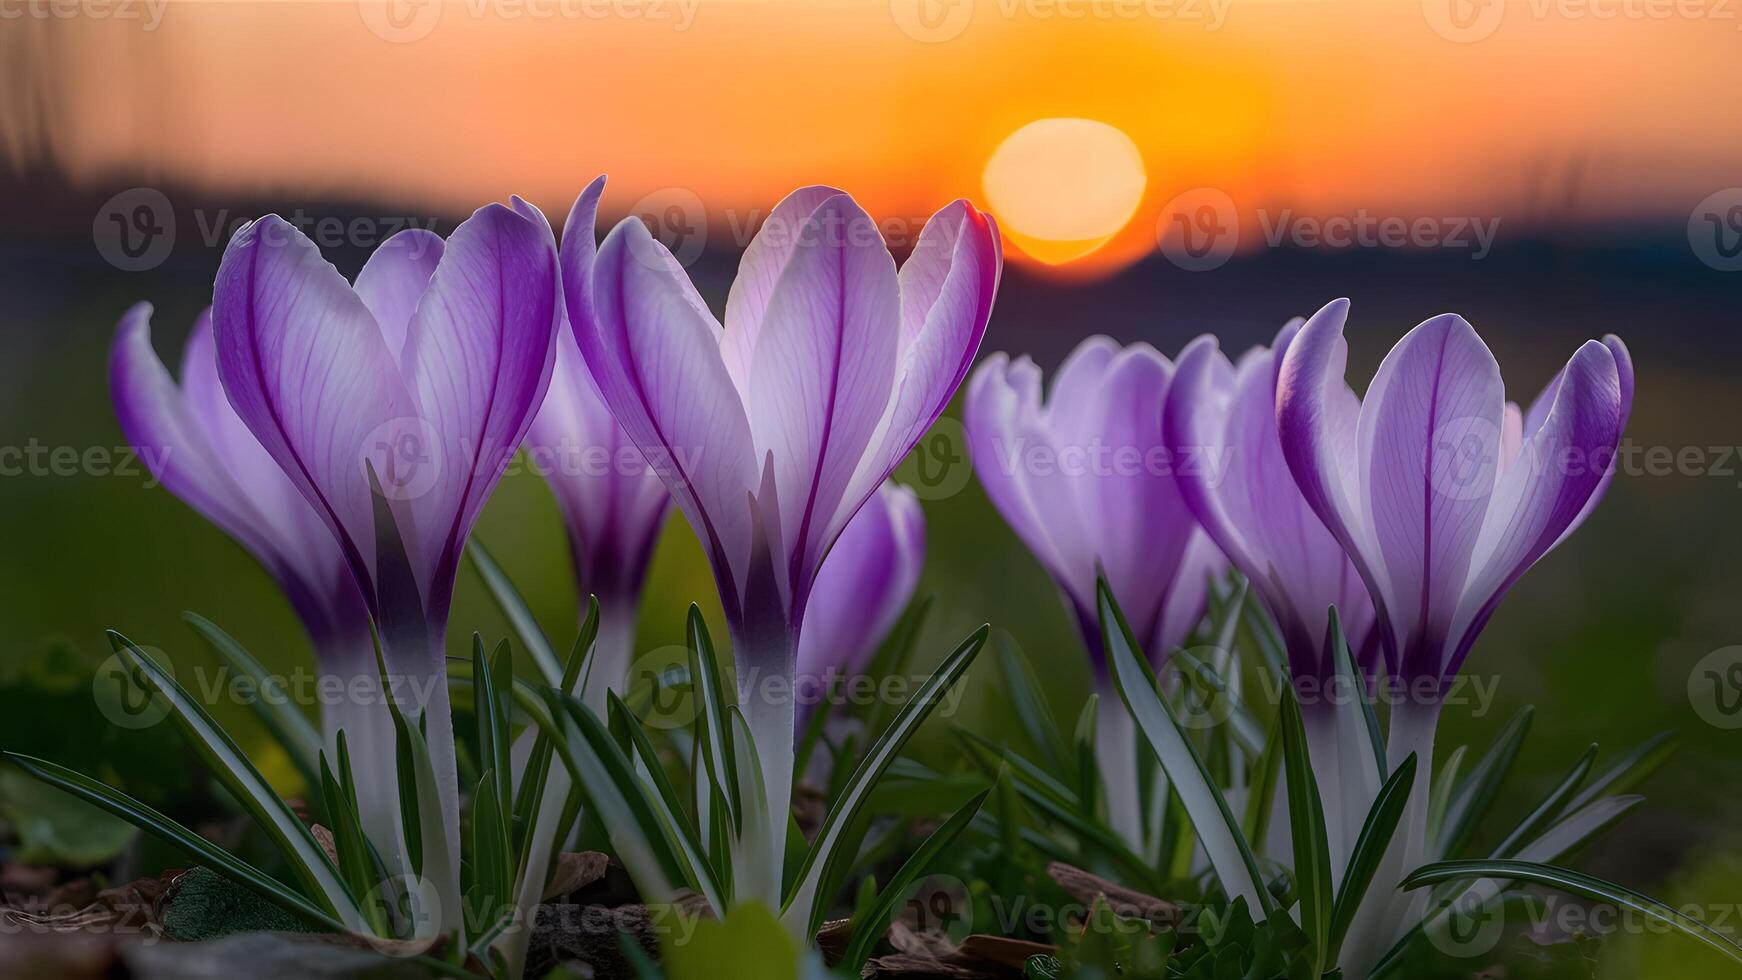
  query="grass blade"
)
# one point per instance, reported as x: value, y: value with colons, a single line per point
x: 1204, y: 804
x: 1306, y: 817
x: 1369, y: 851
x: 119, y: 804
x: 869, y: 926
x: 232, y: 768
x: 1576, y: 883
x: 1478, y: 791
x: 803, y: 899
x: 515, y: 610
x: 711, y: 721
x: 290, y: 727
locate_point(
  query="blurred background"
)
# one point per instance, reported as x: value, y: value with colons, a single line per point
x: 1553, y: 170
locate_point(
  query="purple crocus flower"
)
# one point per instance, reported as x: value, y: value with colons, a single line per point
x: 1440, y: 491
x: 865, y: 584
x: 1221, y: 419
x: 196, y: 446
x: 613, y: 501
x: 1442, y: 494
x: 1085, y: 479
x: 394, y: 407
x: 773, y: 431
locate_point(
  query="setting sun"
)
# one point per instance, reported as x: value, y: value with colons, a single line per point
x: 1062, y: 188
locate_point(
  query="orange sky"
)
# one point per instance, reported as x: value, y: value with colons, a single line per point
x: 1322, y: 107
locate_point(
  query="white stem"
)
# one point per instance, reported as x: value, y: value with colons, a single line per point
x: 1116, y: 756
x: 771, y: 720
x: 1324, y: 752
x: 370, y: 742
x: 1385, y: 913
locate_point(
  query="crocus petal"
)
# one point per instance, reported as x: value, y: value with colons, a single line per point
x: 1222, y: 431
x: 613, y: 503
x: 478, y: 356
x: 1624, y: 376
x: 864, y: 584
x: 1003, y: 402
x: 1184, y: 608
x: 160, y: 424
x: 939, y: 337
x: 307, y: 370
x: 1559, y: 470
x: 1429, y: 456
x: 758, y: 271
x: 578, y: 252
x: 1129, y: 501
x: 395, y: 278
x: 821, y: 372
x: 654, y: 350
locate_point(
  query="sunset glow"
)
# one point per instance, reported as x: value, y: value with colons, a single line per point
x: 1063, y: 187
x: 1325, y: 109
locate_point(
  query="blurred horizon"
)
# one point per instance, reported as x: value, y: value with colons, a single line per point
x: 1544, y: 116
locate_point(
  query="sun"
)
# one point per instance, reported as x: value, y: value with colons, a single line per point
x: 1062, y: 188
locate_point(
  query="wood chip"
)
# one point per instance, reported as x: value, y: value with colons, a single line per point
x: 1130, y: 903
x: 574, y: 871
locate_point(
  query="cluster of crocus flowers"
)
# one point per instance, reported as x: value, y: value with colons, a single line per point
x: 1085, y: 478
x: 780, y: 425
